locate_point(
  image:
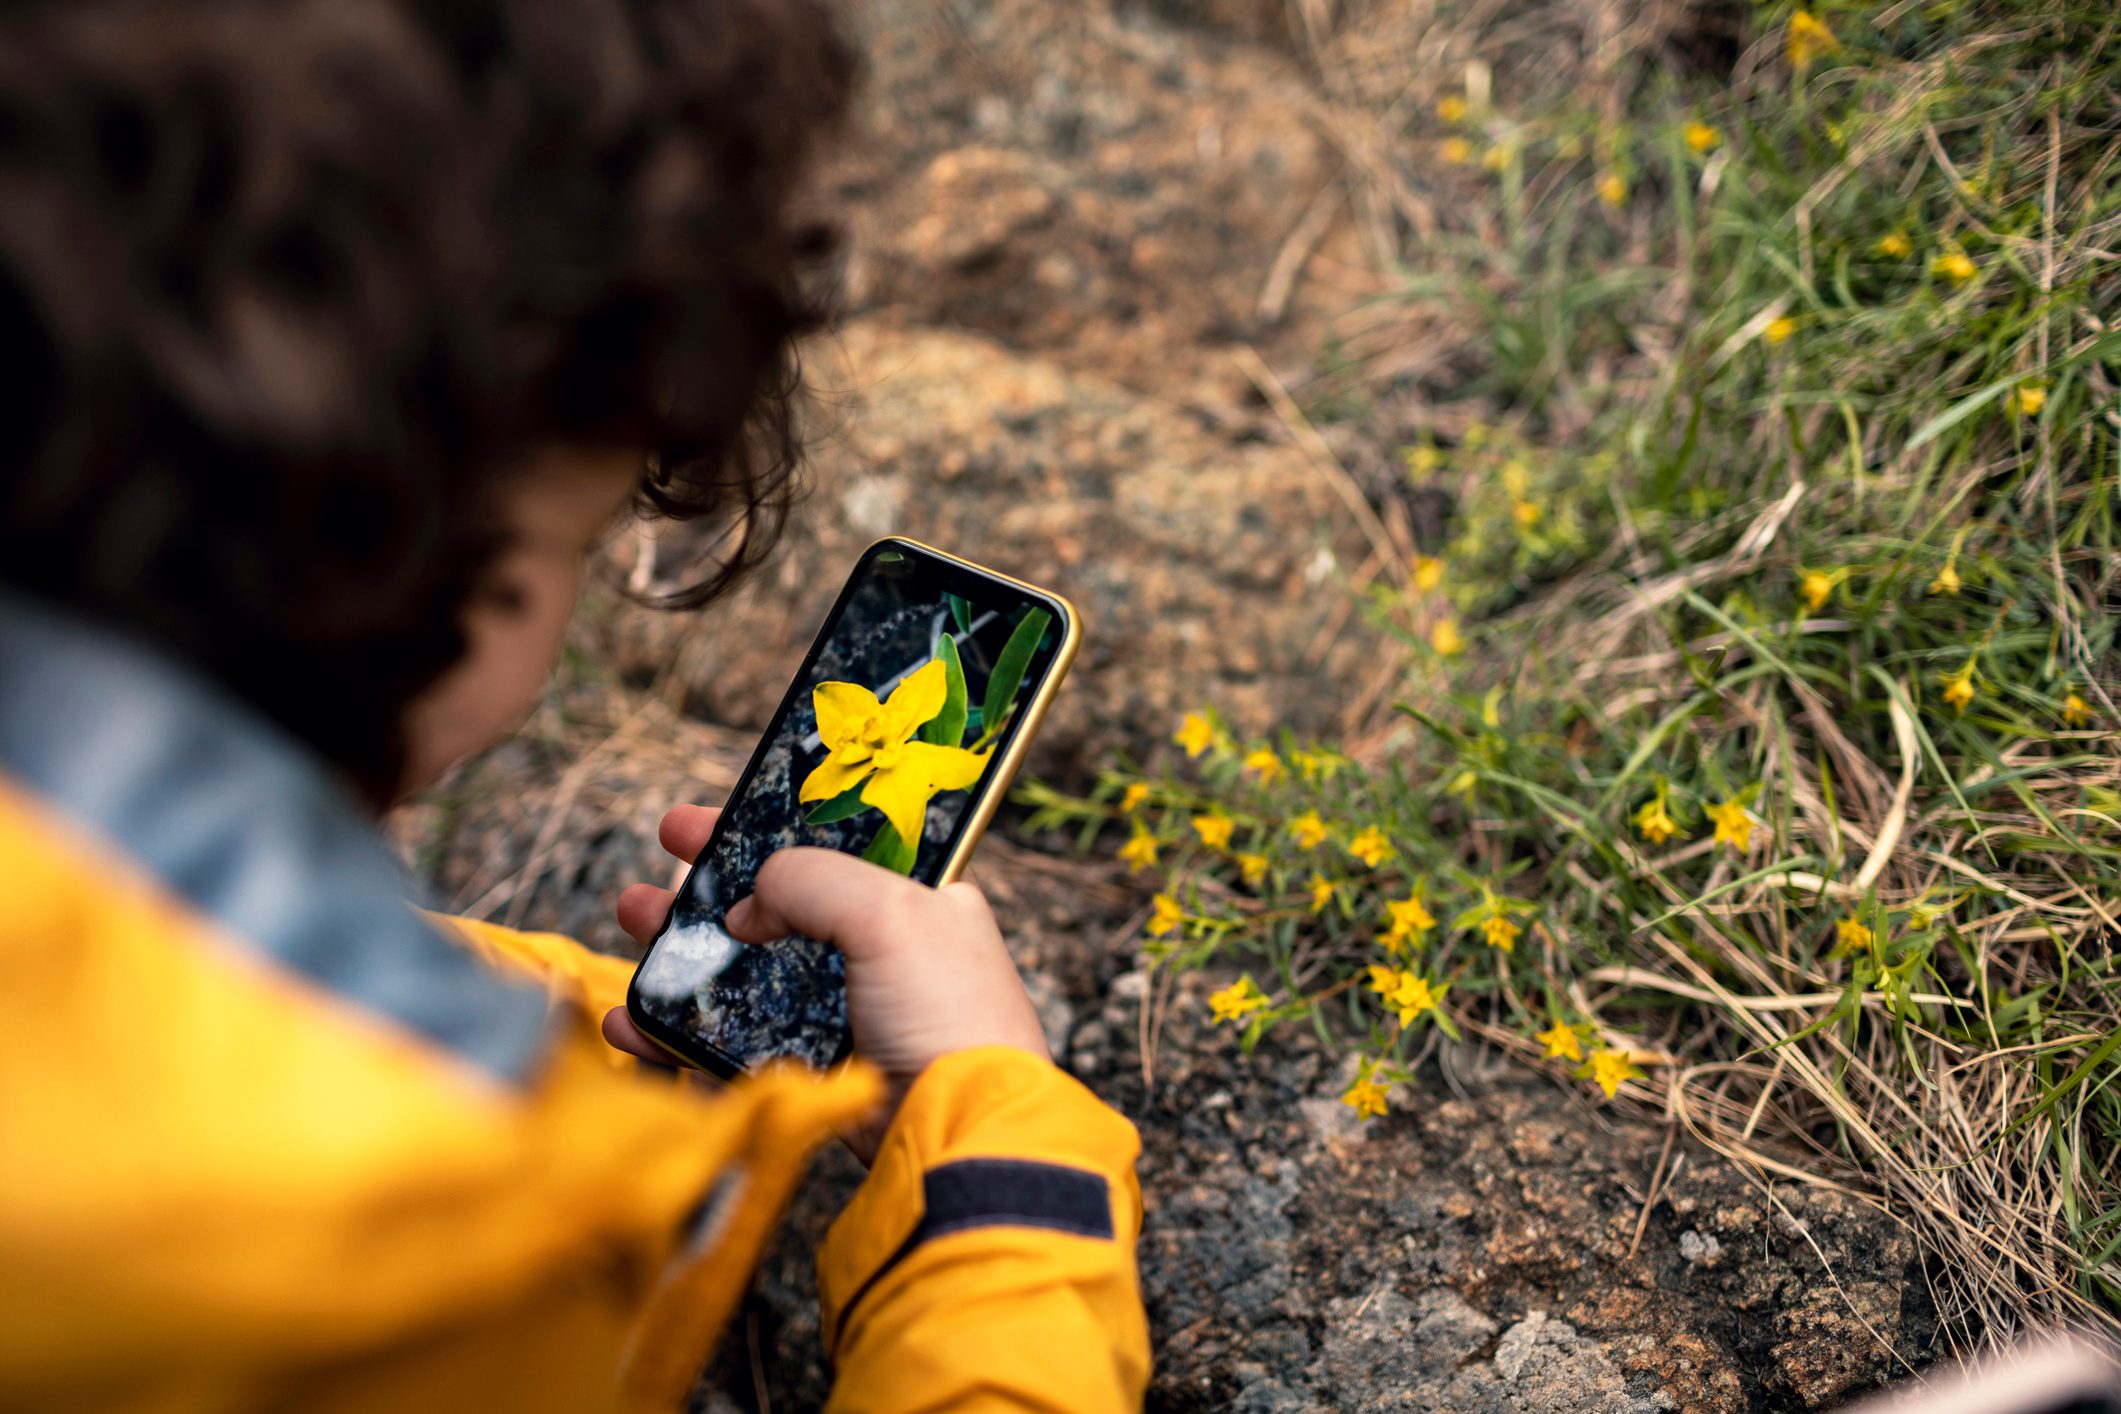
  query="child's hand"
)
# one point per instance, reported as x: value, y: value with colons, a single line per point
x: 927, y: 973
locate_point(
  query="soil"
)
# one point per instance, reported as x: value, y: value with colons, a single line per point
x: 1064, y: 217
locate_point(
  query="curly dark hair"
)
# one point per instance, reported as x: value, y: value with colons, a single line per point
x: 289, y: 288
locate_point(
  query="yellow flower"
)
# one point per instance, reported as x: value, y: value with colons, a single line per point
x: 1852, y: 934
x: 1608, y: 1069
x: 1778, y: 331
x: 1165, y: 916
x: 1701, y: 137
x: 1371, y: 846
x: 1947, y: 580
x: 1655, y: 822
x: 1446, y: 639
x: 1321, y: 892
x: 1495, y: 158
x: 1214, y: 829
x: 1366, y: 1097
x: 1422, y: 460
x: 1428, y: 572
x: 1451, y: 108
x: 1140, y: 851
x: 1410, y: 918
x: 1955, y: 267
x: 1501, y: 932
x: 1236, y: 1001
x: 1195, y: 733
x: 870, y: 744
x: 1411, y: 998
x: 1734, y: 826
x: 1252, y: 867
x: 1525, y: 513
x: 1266, y: 765
x: 1817, y: 586
x: 1131, y: 798
x: 1310, y: 831
x: 2028, y: 399
x: 1894, y: 245
x: 1561, y: 1042
x: 1809, y: 39
x: 2076, y: 712
x: 1959, y: 687
x: 1454, y: 150
x: 1383, y: 980
x: 1613, y: 189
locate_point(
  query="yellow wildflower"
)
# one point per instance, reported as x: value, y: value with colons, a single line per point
x: 1701, y: 137
x: 1310, y: 831
x: 1165, y: 916
x: 2028, y: 399
x: 1613, y: 189
x: 1428, y: 572
x: 1608, y: 1069
x: 1131, y: 798
x: 1366, y: 1097
x: 1734, y: 825
x: 1214, y: 829
x: 1947, y: 580
x: 1894, y: 246
x: 1410, y: 918
x: 1371, y: 846
x: 1446, y: 639
x: 1451, y: 108
x: 1655, y: 822
x: 1495, y: 158
x: 1321, y: 892
x: 871, y: 744
x: 1501, y: 932
x: 1561, y: 1042
x: 1778, y: 331
x: 1455, y: 150
x: 1525, y: 513
x: 2076, y: 712
x: 1236, y: 1001
x: 1266, y: 765
x: 1140, y: 851
x: 1411, y: 998
x: 1422, y: 460
x: 1196, y: 733
x: 1252, y: 867
x: 1959, y: 687
x: 1808, y: 39
x: 1383, y: 980
x: 1955, y: 267
x: 1817, y: 586
x: 1852, y: 934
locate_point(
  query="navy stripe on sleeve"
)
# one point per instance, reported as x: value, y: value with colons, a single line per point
x: 974, y: 1193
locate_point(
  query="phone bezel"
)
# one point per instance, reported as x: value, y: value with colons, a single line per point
x: 955, y: 570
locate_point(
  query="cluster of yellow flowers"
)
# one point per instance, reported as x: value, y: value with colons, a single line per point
x: 1733, y: 822
x: 1607, y: 1067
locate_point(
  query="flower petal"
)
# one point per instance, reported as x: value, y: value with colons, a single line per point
x: 842, y: 707
x: 832, y: 776
x: 946, y: 767
x: 919, y: 696
x: 903, y: 789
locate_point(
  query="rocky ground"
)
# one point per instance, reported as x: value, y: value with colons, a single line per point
x: 1068, y: 220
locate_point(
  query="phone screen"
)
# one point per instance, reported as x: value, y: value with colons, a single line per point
x: 914, y: 690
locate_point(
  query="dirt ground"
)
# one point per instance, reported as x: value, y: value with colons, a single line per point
x: 1073, y: 227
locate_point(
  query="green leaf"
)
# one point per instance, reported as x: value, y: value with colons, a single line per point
x: 845, y: 805
x: 1009, y: 668
x: 960, y: 612
x: 890, y: 851
x: 947, y: 727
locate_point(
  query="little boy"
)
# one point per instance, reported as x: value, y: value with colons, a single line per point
x: 339, y: 333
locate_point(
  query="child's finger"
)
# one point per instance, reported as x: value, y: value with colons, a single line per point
x: 685, y: 829
x: 856, y: 906
x: 642, y: 909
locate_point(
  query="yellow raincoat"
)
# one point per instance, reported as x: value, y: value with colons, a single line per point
x: 270, y: 1139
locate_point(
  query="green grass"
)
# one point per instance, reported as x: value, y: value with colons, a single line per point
x: 1907, y: 983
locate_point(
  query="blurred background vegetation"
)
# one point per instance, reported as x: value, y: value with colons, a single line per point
x: 1748, y: 749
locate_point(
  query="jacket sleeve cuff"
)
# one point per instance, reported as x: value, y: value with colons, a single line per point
x: 990, y: 1136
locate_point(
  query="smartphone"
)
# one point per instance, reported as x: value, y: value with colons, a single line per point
x: 895, y: 742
